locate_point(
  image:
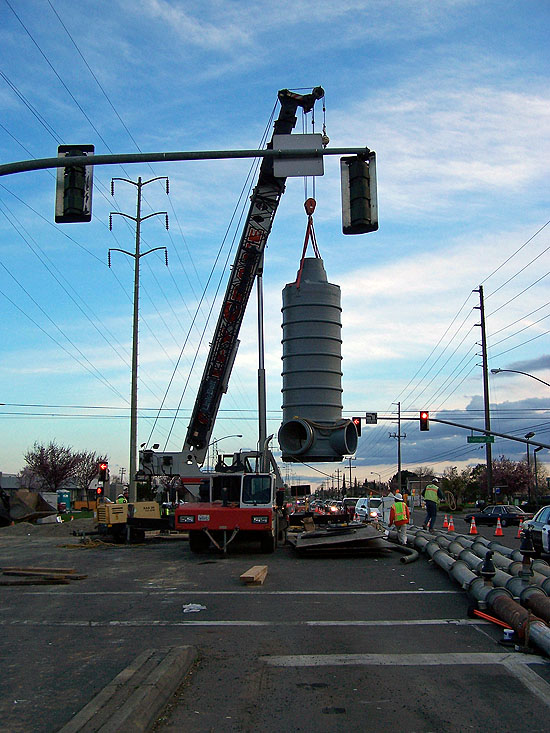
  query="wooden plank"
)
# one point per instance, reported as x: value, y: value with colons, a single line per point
x: 255, y: 575
x: 36, y: 581
x: 44, y: 574
x: 42, y: 570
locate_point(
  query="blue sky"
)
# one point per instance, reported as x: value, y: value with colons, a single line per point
x: 453, y: 96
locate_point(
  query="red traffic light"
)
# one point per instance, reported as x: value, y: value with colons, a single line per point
x: 99, y: 491
x: 357, y: 422
x: 103, y: 468
x: 424, y: 420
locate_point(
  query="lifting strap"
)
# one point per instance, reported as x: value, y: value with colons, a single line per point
x: 309, y: 206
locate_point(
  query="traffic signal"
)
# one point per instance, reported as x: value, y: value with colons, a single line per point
x: 99, y: 491
x: 424, y: 420
x: 73, y: 192
x: 359, y: 198
x: 103, y: 468
x: 357, y: 422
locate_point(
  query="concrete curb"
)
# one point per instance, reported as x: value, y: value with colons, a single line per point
x: 136, y: 696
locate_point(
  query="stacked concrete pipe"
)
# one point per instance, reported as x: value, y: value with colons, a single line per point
x: 505, y: 593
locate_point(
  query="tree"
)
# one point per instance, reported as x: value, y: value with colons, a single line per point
x: 86, y: 470
x: 512, y: 477
x: 28, y: 480
x: 456, y: 482
x: 52, y: 465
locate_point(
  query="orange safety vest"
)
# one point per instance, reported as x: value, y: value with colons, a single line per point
x: 400, y: 512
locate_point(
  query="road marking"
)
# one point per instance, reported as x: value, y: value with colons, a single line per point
x: 534, y: 683
x: 403, y: 660
x: 192, y: 591
x: 516, y: 664
x: 236, y: 622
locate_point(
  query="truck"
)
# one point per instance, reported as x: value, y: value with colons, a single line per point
x: 244, y: 495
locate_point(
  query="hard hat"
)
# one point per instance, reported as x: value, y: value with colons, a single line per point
x: 398, y: 497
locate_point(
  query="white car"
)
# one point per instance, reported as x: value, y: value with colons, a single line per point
x: 368, y: 507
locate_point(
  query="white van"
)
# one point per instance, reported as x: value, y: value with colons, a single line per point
x: 374, y: 508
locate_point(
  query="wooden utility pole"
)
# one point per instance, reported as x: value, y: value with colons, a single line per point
x: 487, y: 410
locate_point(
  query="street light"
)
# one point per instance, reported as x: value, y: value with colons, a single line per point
x: 528, y: 438
x: 375, y: 473
x: 235, y: 435
x: 515, y: 371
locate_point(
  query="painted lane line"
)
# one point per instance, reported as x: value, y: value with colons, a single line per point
x: 250, y: 592
x: 402, y: 660
x: 532, y: 681
x: 204, y: 622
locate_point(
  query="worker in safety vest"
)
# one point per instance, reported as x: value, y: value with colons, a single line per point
x: 400, y: 517
x: 122, y: 498
x: 432, y: 496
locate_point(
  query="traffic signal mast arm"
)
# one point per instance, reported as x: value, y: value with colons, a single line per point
x: 122, y: 158
x: 476, y: 429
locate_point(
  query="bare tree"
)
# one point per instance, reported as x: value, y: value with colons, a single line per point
x: 86, y: 470
x: 27, y: 479
x: 52, y: 465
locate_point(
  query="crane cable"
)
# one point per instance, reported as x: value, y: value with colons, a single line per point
x: 309, y: 206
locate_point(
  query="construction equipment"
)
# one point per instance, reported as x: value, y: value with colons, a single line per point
x: 244, y: 495
x: 128, y: 522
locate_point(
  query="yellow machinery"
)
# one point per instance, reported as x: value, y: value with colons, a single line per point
x: 129, y: 521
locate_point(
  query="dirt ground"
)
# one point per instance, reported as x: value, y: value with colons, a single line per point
x: 57, y: 529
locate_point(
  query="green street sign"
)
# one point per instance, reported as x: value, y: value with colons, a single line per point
x: 481, y: 438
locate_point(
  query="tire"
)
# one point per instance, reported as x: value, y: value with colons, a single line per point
x: 198, y: 541
x: 267, y: 543
x: 503, y: 522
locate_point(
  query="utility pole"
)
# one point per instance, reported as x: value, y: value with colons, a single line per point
x: 398, y: 436
x: 137, y: 255
x: 488, y: 446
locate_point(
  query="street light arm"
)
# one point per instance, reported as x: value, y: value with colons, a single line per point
x: 516, y: 371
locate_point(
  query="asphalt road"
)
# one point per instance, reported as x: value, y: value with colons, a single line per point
x: 326, y: 644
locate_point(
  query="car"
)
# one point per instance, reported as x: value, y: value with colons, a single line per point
x: 507, y: 513
x: 334, y: 507
x: 349, y: 504
x: 368, y: 507
x: 539, y: 527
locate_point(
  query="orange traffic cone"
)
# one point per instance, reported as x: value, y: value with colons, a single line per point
x: 445, y: 523
x: 451, y: 527
x: 498, y: 530
x: 520, y: 529
x: 473, y: 528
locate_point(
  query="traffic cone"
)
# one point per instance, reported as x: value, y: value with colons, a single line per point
x: 520, y: 529
x: 473, y: 528
x: 451, y: 527
x: 498, y: 530
x: 445, y: 523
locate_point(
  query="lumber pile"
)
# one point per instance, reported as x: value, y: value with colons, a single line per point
x: 40, y: 576
x: 255, y: 575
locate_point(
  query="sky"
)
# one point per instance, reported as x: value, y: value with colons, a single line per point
x: 454, y: 97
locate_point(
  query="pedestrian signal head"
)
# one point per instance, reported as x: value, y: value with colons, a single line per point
x: 424, y: 420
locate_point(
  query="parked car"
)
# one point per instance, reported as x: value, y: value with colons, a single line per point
x: 540, y: 530
x: 507, y: 513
